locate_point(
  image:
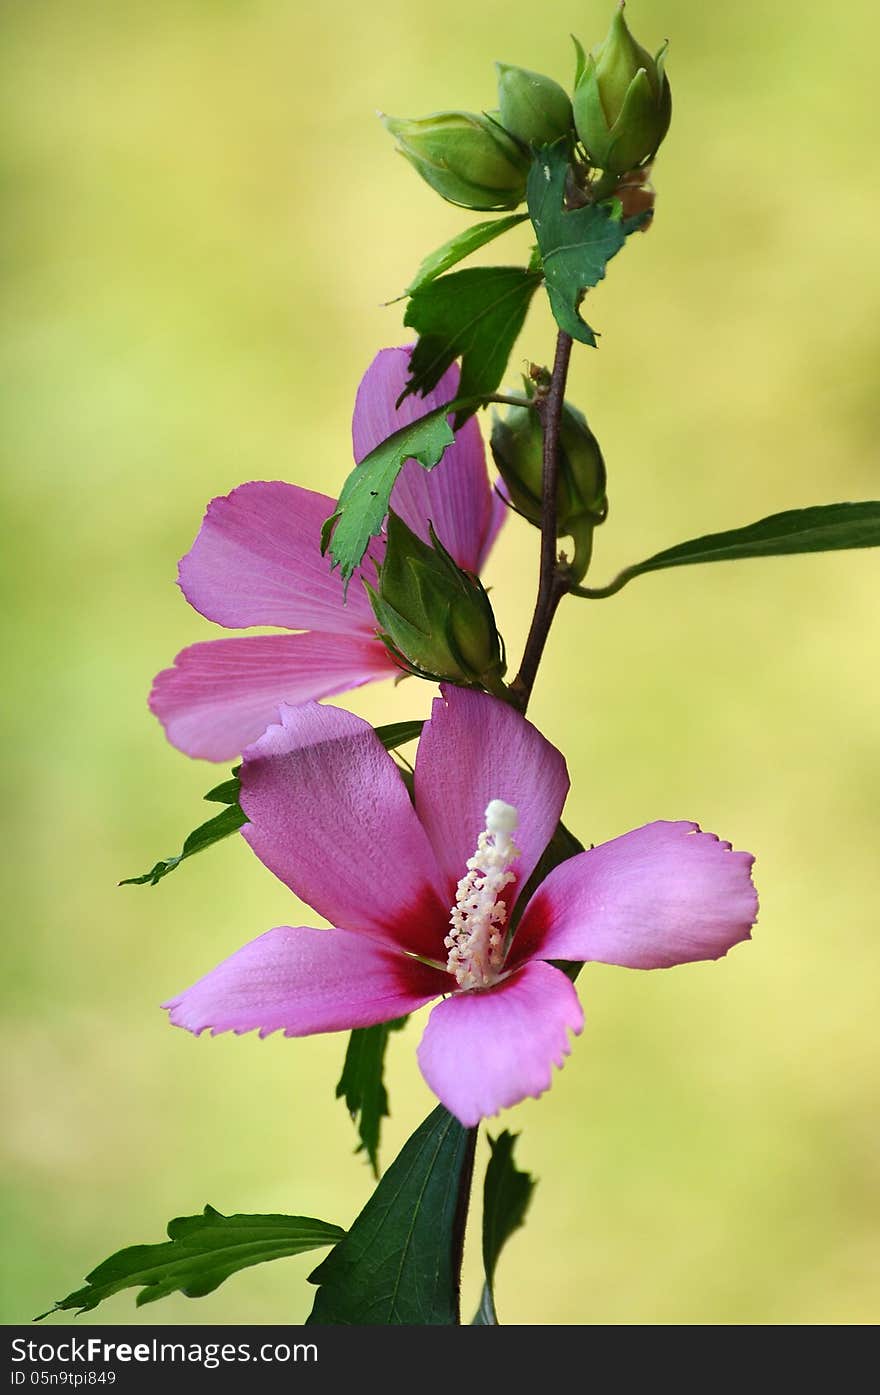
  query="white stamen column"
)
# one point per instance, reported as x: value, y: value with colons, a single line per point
x: 476, y: 941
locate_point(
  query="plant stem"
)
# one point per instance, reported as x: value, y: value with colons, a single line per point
x: 599, y: 593
x: 553, y: 580
x: 506, y: 400
x: 459, y: 1222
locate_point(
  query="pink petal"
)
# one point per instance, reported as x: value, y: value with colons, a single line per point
x: 486, y: 1050
x: 330, y: 815
x: 221, y: 695
x: 661, y: 895
x: 456, y: 496
x: 476, y: 748
x: 304, y: 980
x: 257, y: 561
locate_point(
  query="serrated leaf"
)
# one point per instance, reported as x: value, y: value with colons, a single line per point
x: 822, y: 528
x: 200, y: 1253
x: 575, y: 244
x: 475, y: 315
x: 461, y: 246
x: 228, y: 821
x: 506, y: 1197
x: 363, y: 1086
x: 396, y: 1265
x: 363, y: 503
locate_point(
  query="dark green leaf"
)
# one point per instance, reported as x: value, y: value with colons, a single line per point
x: 474, y: 315
x: 363, y: 503
x: 200, y: 1253
x: 396, y: 1263
x: 363, y: 1086
x: 233, y: 818
x: 576, y: 244
x: 506, y: 1198
x: 229, y: 820
x: 823, y: 528
x: 461, y: 246
x: 399, y: 733
x: 227, y: 792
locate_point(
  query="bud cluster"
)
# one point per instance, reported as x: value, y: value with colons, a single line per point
x: 617, y: 115
x: 435, y: 618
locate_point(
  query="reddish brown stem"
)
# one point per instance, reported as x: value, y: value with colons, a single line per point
x: 553, y: 580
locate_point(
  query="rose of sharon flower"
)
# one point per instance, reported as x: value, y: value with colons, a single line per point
x: 257, y: 561
x: 422, y: 896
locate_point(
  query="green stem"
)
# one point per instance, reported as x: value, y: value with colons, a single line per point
x: 505, y: 401
x: 599, y: 593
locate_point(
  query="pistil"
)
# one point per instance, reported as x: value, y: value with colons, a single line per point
x: 476, y: 940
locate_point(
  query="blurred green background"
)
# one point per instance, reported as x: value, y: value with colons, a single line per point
x: 202, y: 220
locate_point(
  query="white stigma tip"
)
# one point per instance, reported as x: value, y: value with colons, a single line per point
x: 501, y: 817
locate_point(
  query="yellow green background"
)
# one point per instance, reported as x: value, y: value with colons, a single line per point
x: 202, y: 219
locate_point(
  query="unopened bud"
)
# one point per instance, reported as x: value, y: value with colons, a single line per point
x: 465, y: 156
x: 434, y: 618
x: 622, y: 100
x: 581, y: 503
x: 533, y: 108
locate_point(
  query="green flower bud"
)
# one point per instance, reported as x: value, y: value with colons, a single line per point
x: 622, y: 101
x: 435, y: 619
x: 581, y: 504
x: 533, y: 108
x: 468, y: 158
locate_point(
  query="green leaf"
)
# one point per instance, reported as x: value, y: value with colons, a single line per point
x: 363, y: 1087
x: 575, y: 245
x: 200, y: 1253
x: 396, y: 1264
x: 474, y: 315
x: 229, y: 820
x: 227, y: 792
x: 233, y: 818
x: 823, y: 528
x: 399, y: 733
x: 461, y: 246
x: 506, y: 1197
x: 363, y: 503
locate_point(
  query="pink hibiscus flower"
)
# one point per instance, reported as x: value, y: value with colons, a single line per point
x: 421, y: 895
x: 257, y: 561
